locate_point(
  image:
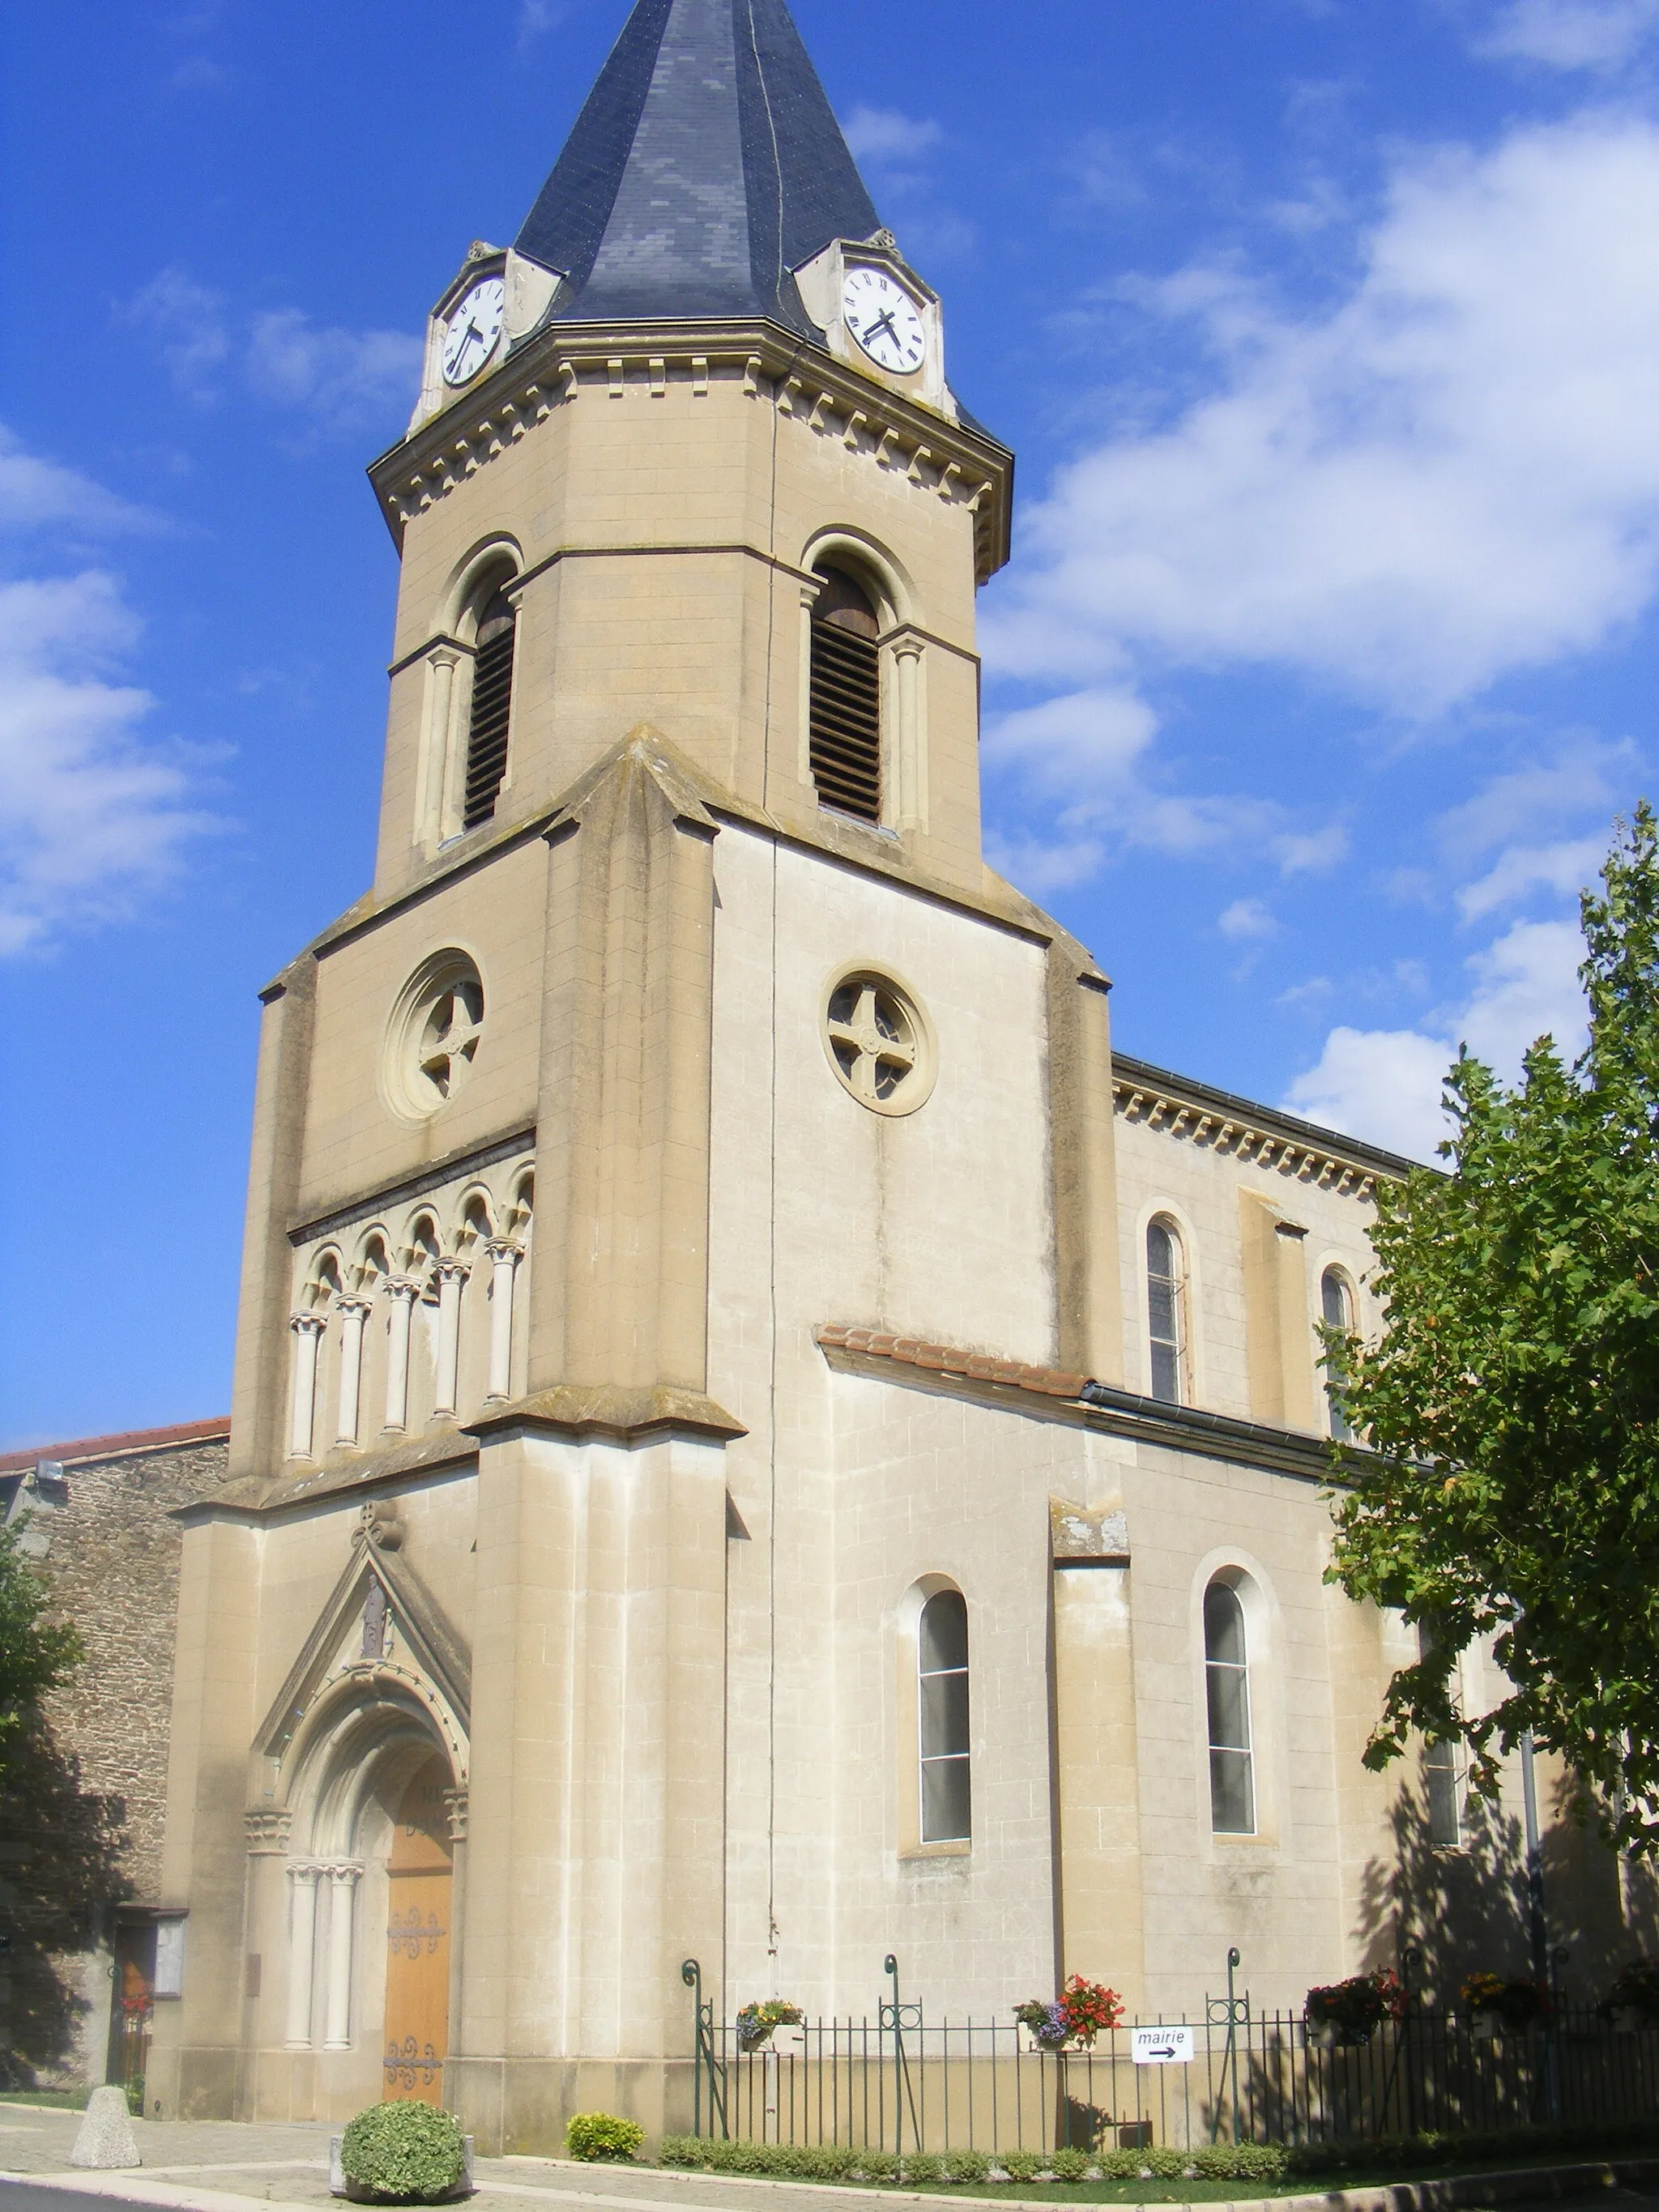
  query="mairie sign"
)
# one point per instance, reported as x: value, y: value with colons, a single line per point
x: 1162, y: 2046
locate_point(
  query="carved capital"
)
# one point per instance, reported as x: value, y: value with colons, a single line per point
x: 308, y: 1324
x: 267, y: 1831
x: 354, y: 1307
x: 455, y: 1803
x: 443, y: 656
x: 303, y: 1873
x: 503, y: 1252
x: 450, y: 1269
x: 402, y: 1287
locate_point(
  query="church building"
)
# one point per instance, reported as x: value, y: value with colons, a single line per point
x: 756, y: 1438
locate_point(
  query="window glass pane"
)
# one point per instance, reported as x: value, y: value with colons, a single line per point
x: 944, y: 1714
x: 946, y: 1810
x: 1229, y: 1708
x: 1223, y: 1625
x: 1232, y: 1795
x: 1227, y: 1695
x: 945, y: 1632
x: 1163, y: 1313
x: 1333, y: 1294
x: 1440, y: 1779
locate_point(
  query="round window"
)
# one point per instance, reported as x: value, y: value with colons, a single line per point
x: 879, y: 1041
x: 433, y: 1037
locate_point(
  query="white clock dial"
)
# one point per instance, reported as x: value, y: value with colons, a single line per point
x: 474, y: 330
x: 882, y: 316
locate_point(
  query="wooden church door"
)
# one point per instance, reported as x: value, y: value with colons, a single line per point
x: 417, y: 1941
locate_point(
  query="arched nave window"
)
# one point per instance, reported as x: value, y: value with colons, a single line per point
x: 1166, y: 1310
x: 1227, y: 1694
x: 942, y: 1683
x: 844, y: 713
x: 1336, y: 1309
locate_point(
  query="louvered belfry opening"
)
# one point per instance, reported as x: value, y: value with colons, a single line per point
x: 492, y: 702
x: 844, y: 707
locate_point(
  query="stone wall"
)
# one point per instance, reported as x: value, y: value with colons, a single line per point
x: 105, y: 1542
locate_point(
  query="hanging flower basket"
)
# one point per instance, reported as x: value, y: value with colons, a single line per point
x: 1349, y: 2013
x: 756, y: 2022
x: 1497, y: 2007
x: 1633, y: 2002
x: 1082, y: 2010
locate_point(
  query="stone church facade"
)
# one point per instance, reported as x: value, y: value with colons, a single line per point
x: 755, y: 1436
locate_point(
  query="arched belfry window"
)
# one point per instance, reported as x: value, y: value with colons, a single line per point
x: 1336, y: 1310
x: 942, y: 1683
x: 1166, y: 1311
x: 492, y: 702
x: 844, y: 701
x: 1227, y: 1695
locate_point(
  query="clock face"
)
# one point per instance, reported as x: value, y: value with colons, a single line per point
x: 882, y: 316
x: 474, y: 330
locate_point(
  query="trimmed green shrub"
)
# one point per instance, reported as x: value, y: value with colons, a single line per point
x: 1069, y: 2165
x: 878, y: 2164
x: 405, y: 2153
x: 1021, y: 2165
x: 969, y: 2165
x: 682, y: 2150
x: 602, y: 2135
x: 924, y: 2166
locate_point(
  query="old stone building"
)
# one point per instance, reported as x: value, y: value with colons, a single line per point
x: 97, y: 1519
x: 755, y: 1436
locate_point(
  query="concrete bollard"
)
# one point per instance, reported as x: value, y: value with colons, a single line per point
x: 104, y: 2139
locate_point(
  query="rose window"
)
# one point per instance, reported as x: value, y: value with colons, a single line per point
x: 879, y: 1041
x: 434, y: 1037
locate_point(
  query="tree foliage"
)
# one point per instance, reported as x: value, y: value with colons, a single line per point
x: 1510, y: 1483
x: 35, y: 1654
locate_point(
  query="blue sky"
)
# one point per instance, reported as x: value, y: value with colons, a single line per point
x: 1327, y: 333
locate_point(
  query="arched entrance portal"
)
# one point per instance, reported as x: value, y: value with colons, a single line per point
x: 419, y: 1885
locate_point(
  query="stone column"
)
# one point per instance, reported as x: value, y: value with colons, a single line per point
x: 910, y: 758
x: 337, y: 2027
x: 437, y: 800
x: 353, y: 1312
x: 452, y: 1277
x: 302, y: 1951
x: 503, y: 1258
x: 455, y: 1806
x: 402, y: 1290
x: 308, y: 1329
x: 808, y: 599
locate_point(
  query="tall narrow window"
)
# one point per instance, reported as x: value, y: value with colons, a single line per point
x: 942, y: 1670
x: 844, y: 713
x: 1442, y: 1779
x: 492, y: 702
x: 1166, y: 1310
x: 1336, y: 1305
x: 1227, y: 1686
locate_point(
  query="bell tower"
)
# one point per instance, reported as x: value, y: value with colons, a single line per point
x: 680, y: 800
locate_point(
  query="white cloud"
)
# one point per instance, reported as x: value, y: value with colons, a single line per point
x: 1570, y: 35
x: 339, y: 376
x: 883, y: 136
x: 1074, y: 743
x: 1384, y: 1085
x: 1452, y: 475
x: 35, y: 492
x: 90, y: 814
x: 1563, y: 868
x: 1247, y: 918
x: 187, y: 324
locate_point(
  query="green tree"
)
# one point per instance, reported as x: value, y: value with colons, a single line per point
x: 35, y: 1654
x: 60, y: 1845
x: 1509, y: 1482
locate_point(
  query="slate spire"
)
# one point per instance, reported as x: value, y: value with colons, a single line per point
x: 705, y: 166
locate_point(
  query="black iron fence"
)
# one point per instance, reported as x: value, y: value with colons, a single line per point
x: 904, y: 2082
